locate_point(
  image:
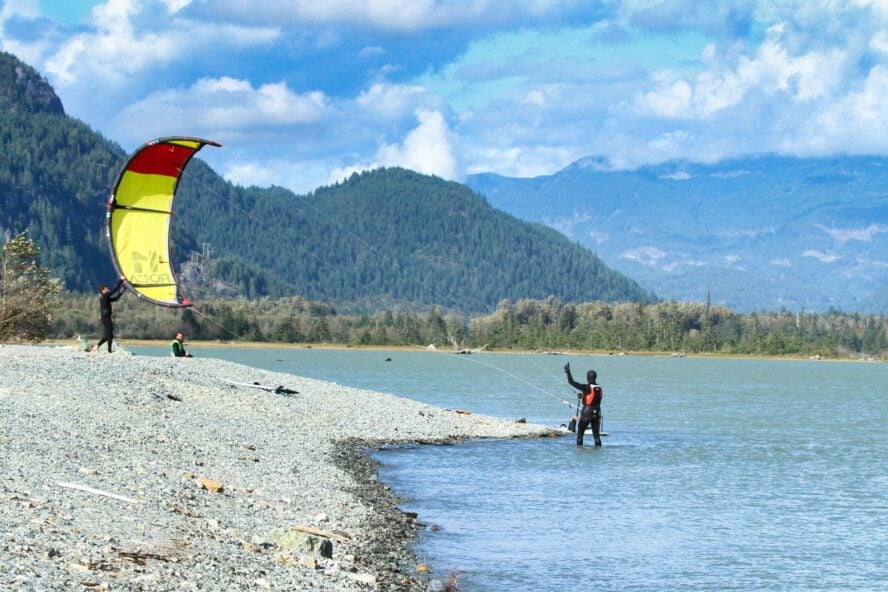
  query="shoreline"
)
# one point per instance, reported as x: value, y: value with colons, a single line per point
x: 396, y: 348
x: 162, y: 433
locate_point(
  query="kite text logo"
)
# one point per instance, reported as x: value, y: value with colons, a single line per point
x: 150, y: 268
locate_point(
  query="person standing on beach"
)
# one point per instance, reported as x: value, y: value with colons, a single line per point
x: 106, y: 297
x: 590, y: 395
x: 177, y: 347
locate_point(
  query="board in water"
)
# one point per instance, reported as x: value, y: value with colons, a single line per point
x: 565, y: 430
x: 280, y: 390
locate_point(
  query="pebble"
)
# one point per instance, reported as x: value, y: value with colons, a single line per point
x: 203, y: 509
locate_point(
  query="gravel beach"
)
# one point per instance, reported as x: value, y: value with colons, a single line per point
x: 122, y: 472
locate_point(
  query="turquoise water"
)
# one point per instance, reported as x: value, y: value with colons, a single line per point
x: 716, y: 474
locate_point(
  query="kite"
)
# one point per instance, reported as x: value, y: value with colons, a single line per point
x: 139, y: 218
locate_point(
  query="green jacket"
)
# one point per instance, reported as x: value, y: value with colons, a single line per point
x: 177, y: 349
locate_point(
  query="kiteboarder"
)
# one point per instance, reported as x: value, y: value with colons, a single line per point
x: 177, y: 347
x: 590, y: 395
x: 106, y: 297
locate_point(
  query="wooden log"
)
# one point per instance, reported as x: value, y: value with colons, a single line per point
x: 323, y: 533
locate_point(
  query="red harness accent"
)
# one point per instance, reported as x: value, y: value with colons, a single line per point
x: 594, y: 395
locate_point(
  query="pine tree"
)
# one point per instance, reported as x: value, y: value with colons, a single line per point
x: 28, y: 295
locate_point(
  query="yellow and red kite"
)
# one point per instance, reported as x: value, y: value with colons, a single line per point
x: 140, y: 213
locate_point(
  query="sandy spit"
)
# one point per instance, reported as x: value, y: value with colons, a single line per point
x: 124, y: 472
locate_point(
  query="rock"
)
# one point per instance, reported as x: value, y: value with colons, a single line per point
x: 422, y: 568
x: 364, y: 578
x: 309, y: 562
x: 211, y: 485
x: 295, y: 541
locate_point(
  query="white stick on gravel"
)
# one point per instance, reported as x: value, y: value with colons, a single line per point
x: 128, y: 500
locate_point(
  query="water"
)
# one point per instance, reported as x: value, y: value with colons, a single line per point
x: 716, y: 474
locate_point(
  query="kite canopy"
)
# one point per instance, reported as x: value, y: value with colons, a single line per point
x: 140, y: 213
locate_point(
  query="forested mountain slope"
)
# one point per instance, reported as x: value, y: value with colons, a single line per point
x: 381, y: 238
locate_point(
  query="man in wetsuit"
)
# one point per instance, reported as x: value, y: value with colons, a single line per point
x: 106, y: 297
x: 590, y: 395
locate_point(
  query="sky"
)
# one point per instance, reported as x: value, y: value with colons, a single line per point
x: 302, y: 93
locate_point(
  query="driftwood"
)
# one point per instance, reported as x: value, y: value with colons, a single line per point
x: 128, y: 500
x: 458, y: 349
x: 323, y: 533
x: 142, y: 557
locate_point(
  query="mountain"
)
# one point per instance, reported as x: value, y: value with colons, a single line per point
x: 756, y: 233
x: 55, y: 175
x: 381, y: 238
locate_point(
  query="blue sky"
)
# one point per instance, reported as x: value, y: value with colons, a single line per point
x: 303, y: 92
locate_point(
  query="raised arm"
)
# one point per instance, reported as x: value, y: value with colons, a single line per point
x: 581, y: 387
x: 114, y: 296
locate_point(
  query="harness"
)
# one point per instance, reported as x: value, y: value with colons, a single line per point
x: 593, y: 397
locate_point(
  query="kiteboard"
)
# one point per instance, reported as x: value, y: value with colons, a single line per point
x: 565, y: 430
x: 278, y: 390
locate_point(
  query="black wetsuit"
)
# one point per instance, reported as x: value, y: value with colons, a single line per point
x: 105, y: 301
x: 591, y: 414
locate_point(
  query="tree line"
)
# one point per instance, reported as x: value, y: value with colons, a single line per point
x: 33, y: 308
x: 527, y: 324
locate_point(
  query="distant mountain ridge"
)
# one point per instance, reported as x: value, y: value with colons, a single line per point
x: 381, y: 238
x: 757, y: 233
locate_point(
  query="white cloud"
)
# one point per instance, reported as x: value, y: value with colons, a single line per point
x: 750, y: 232
x: 19, y: 8
x: 174, y: 6
x: 783, y: 262
x: 529, y: 91
x: 394, y: 101
x: 429, y: 148
x: 774, y: 69
x: 821, y: 256
x: 678, y: 176
x: 599, y: 236
x: 371, y: 51
x: 251, y: 173
x: 647, y: 256
x: 843, y: 235
x: 221, y: 108
x: 395, y: 15
x: 30, y: 50
x: 566, y: 225
x: 115, y: 48
x: 524, y: 160
x: 856, y: 123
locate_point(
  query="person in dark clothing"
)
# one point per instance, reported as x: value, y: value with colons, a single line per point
x: 177, y: 347
x: 590, y: 395
x: 106, y: 297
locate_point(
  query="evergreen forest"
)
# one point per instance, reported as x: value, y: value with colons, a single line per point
x: 674, y: 328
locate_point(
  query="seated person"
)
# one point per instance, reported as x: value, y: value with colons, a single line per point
x: 177, y: 347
